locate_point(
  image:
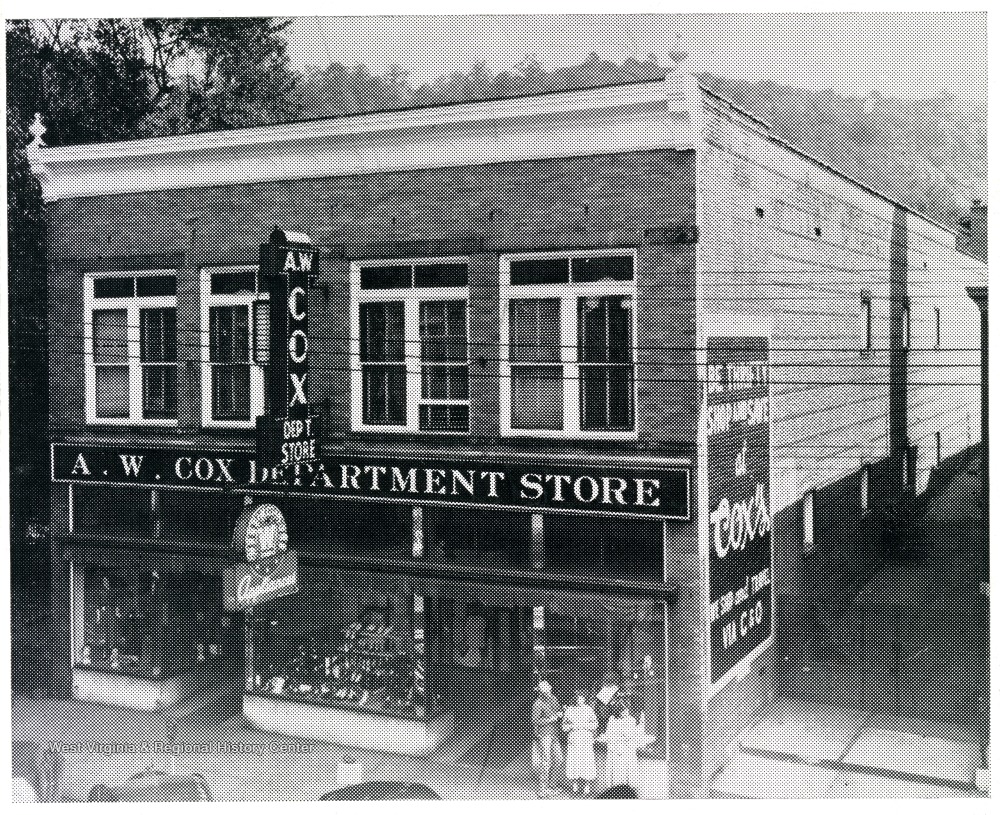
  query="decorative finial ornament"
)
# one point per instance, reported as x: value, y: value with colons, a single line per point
x: 677, y: 54
x: 37, y: 129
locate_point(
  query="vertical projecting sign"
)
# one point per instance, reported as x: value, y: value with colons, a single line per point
x: 737, y: 414
x: 288, y: 435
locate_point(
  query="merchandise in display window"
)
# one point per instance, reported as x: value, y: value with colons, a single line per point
x: 367, y: 657
x: 147, y: 624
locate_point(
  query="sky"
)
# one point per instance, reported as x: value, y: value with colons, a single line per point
x: 895, y: 53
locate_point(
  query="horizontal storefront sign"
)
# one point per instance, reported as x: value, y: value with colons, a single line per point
x: 246, y: 585
x: 644, y: 490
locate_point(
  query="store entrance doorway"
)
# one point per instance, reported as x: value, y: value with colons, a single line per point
x: 490, y: 658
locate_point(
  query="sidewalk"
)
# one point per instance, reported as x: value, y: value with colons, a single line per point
x: 802, y: 749
x: 240, y: 763
x: 910, y: 650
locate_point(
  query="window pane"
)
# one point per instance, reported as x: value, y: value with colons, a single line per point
x: 158, y: 335
x: 262, y: 332
x: 445, y: 382
x: 605, y: 329
x: 536, y: 397
x: 441, y: 274
x: 547, y: 270
x: 384, y: 394
x: 233, y: 282
x: 620, y: 406
x: 442, y: 331
x: 606, y: 397
x: 114, y: 286
x: 110, y: 328
x: 593, y: 398
x: 535, y: 334
x: 444, y: 417
x: 386, y: 277
x: 231, y: 392
x: 229, y: 334
x: 159, y: 392
x: 156, y: 285
x: 382, y: 338
x: 587, y: 270
x: 111, y: 387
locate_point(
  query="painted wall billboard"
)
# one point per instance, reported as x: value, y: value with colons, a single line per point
x: 737, y: 413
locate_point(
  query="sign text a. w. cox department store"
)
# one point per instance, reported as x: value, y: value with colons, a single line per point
x: 647, y: 490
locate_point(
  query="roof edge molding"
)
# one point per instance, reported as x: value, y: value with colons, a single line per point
x: 620, y: 119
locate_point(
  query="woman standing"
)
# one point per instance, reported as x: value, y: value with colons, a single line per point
x: 580, y: 724
x: 622, y: 738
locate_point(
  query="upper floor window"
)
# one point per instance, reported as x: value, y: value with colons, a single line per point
x: 130, y: 339
x: 567, y: 343
x: 234, y: 326
x: 866, y: 320
x: 409, y: 337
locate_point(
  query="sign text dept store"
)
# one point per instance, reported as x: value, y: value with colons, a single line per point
x: 646, y: 491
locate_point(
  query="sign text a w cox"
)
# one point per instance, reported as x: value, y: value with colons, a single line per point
x: 289, y: 434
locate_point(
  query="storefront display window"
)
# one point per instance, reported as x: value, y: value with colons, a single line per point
x: 147, y: 624
x: 360, y: 653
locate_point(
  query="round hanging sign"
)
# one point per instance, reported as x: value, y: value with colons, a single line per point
x: 262, y: 532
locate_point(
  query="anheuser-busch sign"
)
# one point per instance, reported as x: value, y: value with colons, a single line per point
x: 246, y: 585
x: 648, y: 491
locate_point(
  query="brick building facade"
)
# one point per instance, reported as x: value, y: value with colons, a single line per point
x: 559, y: 290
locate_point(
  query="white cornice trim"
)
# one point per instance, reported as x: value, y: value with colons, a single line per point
x: 591, y: 122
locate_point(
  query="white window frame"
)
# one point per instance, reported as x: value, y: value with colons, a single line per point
x: 567, y: 294
x: 257, y: 373
x: 411, y: 298
x: 809, y: 522
x: 132, y: 307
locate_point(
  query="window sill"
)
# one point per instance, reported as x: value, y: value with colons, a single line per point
x: 570, y: 435
x: 224, y: 424
x: 400, y: 430
x: 131, y: 423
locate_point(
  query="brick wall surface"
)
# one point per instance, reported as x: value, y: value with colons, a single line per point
x: 587, y: 202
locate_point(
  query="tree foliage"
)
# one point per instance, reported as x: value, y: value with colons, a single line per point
x: 104, y: 80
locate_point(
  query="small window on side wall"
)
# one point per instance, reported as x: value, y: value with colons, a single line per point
x: 809, y: 522
x: 937, y: 328
x: 865, y: 489
x: 866, y: 321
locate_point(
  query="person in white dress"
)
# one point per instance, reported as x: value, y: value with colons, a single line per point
x: 580, y: 724
x: 622, y: 737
